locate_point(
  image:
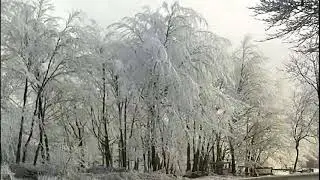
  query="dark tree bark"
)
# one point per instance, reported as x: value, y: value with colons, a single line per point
x: 119, y: 104
x: 153, y: 157
x: 36, y: 155
x: 188, y: 157
x: 233, y: 162
x: 202, y: 155
x: 213, y: 158
x: 152, y: 120
x: 136, y: 164
x: 195, y: 161
x: 39, y: 147
x: 219, y: 154
x: 194, y: 149
x: 218, y: 146
x: 25, y: 148
x: 145, y: 166
x: 124, y: 143
x: 46, y: 140
x: 18, y: 153
x: 164, y: 158
x: 108, y: 158
x: 80, y: 136
x: 120, y: 154
x: 149, y: 160
x: 297, y: 156
x: 247, y: 169
x: 41, y: 129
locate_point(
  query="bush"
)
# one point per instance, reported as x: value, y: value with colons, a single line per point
x: 33, y: 172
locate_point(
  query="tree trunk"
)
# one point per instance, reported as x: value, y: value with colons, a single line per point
x: 124, y: 150
x: 120, y: 153
x: 145, y: 163
x: 152, y: 118
x: 121, y: 162
x: 136, y: 164
x: 206, y: 158
x: 40, y: 147
x: 149, y: 160
x: 41, y: 126
x: 201, y: 159
x: 195, y: 161
x: 297, y: 156
x: 233, y: 162
x: 218, y: 169
x: 25, y: 148
x: 318, y: 89
x: 81, y: 151
x: 247, y: 169
x: 153, y: 157
x: 167, y: 165
x: 213, y: 158
x: 81, y: 143
x: 18, y: 153
x: 164, y: 158
x: 36, y: 155
x: 196, y: 158
x: 46, y: 141
x: 108, y: 159
x: 188, y: 157
x: 194, y: 149
x: 247, y: 151
x: 218, y: 159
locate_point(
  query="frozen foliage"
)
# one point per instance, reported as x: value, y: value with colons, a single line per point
x: 153, y: 92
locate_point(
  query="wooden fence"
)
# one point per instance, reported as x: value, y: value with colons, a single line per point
x: 298, y: 176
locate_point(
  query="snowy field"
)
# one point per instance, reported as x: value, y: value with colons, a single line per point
x: 8, y: 175
x: 5, y: 172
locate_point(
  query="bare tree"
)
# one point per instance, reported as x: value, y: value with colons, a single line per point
x: 305, y: 69
x: 297, y: 20
x: 302, y: 118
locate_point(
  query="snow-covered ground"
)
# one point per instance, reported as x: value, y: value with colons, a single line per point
x: 281, y: 172
x: 5, y: 171
x: 119, y: 176
x: 217, y: 178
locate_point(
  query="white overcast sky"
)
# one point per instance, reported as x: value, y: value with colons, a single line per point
x: 228, y: 18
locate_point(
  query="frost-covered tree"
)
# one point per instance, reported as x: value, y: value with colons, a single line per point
x: 302, y: 117
x: 172, y: 60
x: 35, y: 47
x: 305, y: 69
x: 254, y: 116
x: 156, y: 90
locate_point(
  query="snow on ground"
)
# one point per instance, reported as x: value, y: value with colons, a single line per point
x: 119, y: 176
x: 150, y: 176
x: 217, y: 178
x: 281, y: 172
